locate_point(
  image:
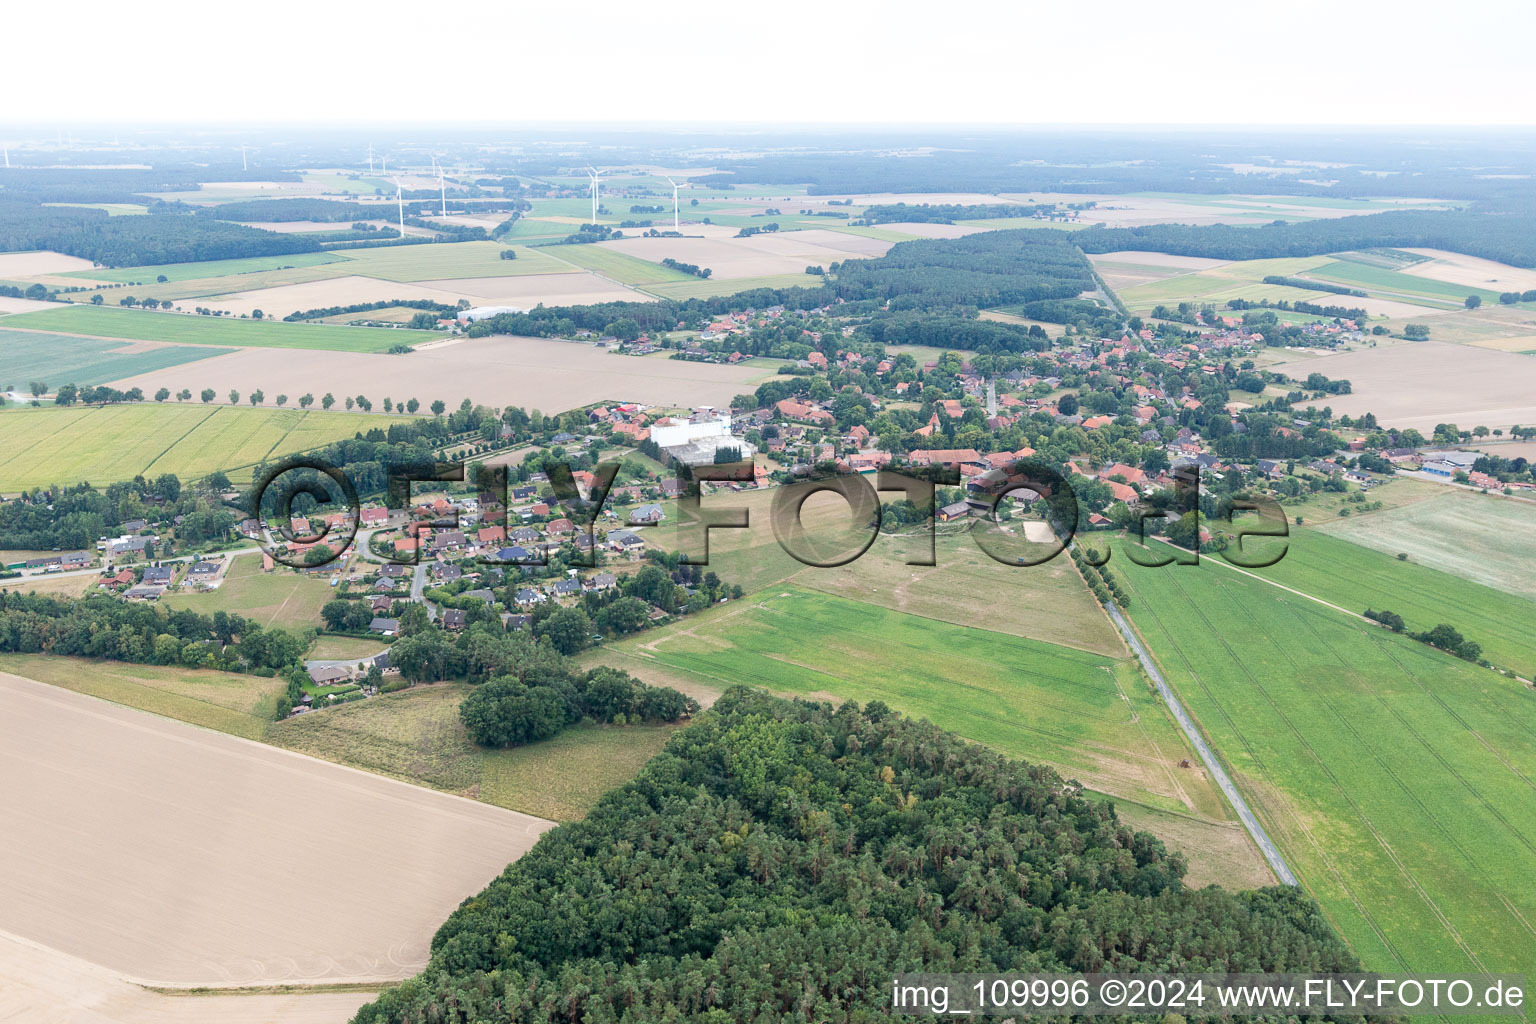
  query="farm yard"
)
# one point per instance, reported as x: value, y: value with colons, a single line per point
x: 500, y: 370
x: 65, y: 444
x: 1389, y: 773
x: 1424, y: 383
x: 91, y: 831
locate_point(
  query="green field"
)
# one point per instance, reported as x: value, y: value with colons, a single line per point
x: 620, y: 266
x: 969, y: 588
x: 1394, y: 284
x: 1483, y: 539
x: 562, y: 777
x: 449, y: 261
x: 145, y: 325
x: 1397, y: 780
x: 1091, y: 717
x: 343, y: 648
x: 281, y: 597
x: 1357, y: 577
x: 174, y: 272
x: 56, y: 359
x: 102, y: 444
x: 240, y: 705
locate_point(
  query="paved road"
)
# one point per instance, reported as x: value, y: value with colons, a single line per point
x: 418, y: 590
x: 1207, y: 757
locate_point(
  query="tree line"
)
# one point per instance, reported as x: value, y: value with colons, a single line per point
x: 779, y: 858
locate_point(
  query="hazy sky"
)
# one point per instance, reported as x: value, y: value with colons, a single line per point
x: 789, y: 61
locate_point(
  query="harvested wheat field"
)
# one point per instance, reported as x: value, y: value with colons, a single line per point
x: 574, y: 289
x: 32, y: 264
x: 182, y: 857
x: 1421, y: 384
x: 10, y: 305
x: 43, y: 986
x: 337, y: 291
x: 1471, y: 271
x: 535, y: 373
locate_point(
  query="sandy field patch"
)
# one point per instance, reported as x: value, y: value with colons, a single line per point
x: 185, y: 857
x: 484, y: 220
x: 296, y: 227
x: 535, y: 373
x: 1519, y: 343
x: 1158, y: 259
x: 788, y: 252
x: 42, y: 986
x: 336, y: 291
x: 31, y: 264
x: 926, y: 230
x: 1374, y: 306
x: 10, y: 305
x: 577, y: 289
x: 1471, y: 271
x: 1420, y: 385
x: 840, y: 241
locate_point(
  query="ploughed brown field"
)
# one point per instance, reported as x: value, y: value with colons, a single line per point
x: 180, y: 857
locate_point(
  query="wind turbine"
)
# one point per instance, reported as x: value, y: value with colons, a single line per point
x: 370, y: 158
x: 243, y: 165
x: 441, y: 188
x: 674, y: 204
x: 592, y: 171
x: 400, y: 200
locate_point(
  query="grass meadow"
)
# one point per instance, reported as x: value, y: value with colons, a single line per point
x: 448, y: 261
x: 55, y: 359
x: 1358, y: 577
x: 1379, y: 279
x: 281, y: 597
x: 1089, y: 716
x: 1483, y: 539
x: 622, y: 267
x: 1396, y: 779
x: 176, y: 272
x: 145, y: 325
x: 240, y: 705
x: 416, y: 735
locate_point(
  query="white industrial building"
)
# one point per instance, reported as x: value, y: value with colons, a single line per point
x: 695, y: 440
